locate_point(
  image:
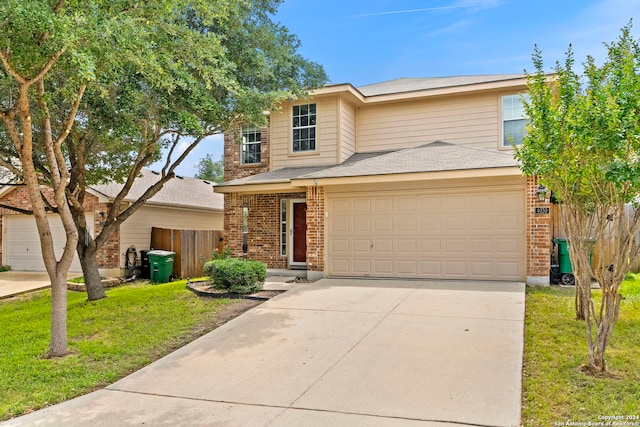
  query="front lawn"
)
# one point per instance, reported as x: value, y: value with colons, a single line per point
x: 108, y: 339
x: 555, y: 391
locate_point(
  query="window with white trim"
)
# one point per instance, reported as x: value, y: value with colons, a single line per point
x: 514, y: 119
x: 250, y: 144
x: 283, y: 227
x: 304, y: 128
x: 245, y: 229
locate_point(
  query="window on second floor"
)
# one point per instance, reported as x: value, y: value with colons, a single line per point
x: 514, y: 120
x: 304, y: 128
x: 250, y: 145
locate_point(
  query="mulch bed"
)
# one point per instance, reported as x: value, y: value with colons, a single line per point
x: 205, y: 289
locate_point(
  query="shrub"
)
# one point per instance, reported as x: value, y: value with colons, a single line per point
x: 226, y: 253
x: 236, y: 275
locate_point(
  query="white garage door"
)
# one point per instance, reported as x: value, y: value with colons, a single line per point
x: 21, y: 246
x: 470, y: 233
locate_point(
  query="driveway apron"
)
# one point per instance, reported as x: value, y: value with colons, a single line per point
x: 336, y: 352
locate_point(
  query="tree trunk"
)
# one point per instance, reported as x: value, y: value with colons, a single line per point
x: 87, y: 251
x: 58, y: 343
x: 92, y: 280
x: 579, y: 306
x: 611, y: 309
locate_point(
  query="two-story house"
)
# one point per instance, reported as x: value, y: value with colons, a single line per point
x: 406, y: 178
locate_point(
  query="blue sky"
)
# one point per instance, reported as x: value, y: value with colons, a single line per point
x: 370, y: 41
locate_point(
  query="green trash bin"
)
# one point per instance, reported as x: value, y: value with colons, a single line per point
x: 564, y: 262
x: 160, y: 265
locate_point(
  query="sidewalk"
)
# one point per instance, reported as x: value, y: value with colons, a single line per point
x: 336, y: 352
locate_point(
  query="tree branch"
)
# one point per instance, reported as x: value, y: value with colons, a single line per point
x: 5, y: 63
x: 15, y: 209
x: 72, y: 116
x: 47, y: 66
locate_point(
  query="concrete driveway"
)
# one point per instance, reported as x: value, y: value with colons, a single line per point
x: 18, y: 282
x: 334, y: 353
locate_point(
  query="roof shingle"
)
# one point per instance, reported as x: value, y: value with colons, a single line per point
x: 416, y: 84
x: 433, y: 157
x: 178, y: 191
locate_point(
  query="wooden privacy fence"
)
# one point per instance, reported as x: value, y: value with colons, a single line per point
x: 606, y: 245
x: 192, y: 248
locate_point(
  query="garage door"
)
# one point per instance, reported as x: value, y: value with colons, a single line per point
x: 21, y: 246
x: 470, y: 233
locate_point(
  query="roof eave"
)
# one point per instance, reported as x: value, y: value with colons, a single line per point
x: 514, y: 83
x: 345, y: 89
x: 175, y: 205
x: 271, y: 187
x: 411, y: 176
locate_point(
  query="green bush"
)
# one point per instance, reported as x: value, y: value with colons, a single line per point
x: 236, y: 275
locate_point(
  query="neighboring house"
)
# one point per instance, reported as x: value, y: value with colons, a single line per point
x: 182, y: 204
x: 407, y: 178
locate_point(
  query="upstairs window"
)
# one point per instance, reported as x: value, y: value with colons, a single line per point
x: 250, y: 145
x: 304, y: 128
x: 514, y: 120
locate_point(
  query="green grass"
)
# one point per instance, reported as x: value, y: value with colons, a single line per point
x: 108, y: 339
x: 555, y: 390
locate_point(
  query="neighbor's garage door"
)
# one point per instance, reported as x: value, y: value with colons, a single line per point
x: 470, y: 233
x: 22, y: 242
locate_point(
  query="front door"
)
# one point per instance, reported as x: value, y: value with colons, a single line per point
x: 299, y: 250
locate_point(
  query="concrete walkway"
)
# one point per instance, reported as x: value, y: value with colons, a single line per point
x: 334, y: 353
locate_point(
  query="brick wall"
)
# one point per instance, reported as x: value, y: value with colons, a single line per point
x: 538, y: 236
x: 233, y: 167
x: 108, y: 256
x: 315, y: 228
x: 263, y: 226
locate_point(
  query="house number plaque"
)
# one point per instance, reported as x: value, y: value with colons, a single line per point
x: 542, y: 211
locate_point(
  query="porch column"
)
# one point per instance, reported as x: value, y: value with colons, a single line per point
x: 538, y: 235
x: 315, y: 232
x: 233, y: 223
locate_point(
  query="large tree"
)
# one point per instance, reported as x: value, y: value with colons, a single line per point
x: 91, y: 90
x: 583, y: 143
x: 211, y: 170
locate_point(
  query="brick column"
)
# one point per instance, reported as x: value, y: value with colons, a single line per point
x: 538, y: 236
x: 315, y: 232
x: 233, y: 223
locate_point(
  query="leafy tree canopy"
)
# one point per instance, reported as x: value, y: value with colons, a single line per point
x: 583, y: 143
x: 210, y: 170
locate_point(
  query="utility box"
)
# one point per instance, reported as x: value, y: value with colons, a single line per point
x: 160, y: 265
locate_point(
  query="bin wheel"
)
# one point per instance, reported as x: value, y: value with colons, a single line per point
x: 568, y: 279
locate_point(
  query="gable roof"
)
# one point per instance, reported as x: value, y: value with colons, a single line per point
x: 436, y: 156
x: 178, y: 191
x: 416, y: 84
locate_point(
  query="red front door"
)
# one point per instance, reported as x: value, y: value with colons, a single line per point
x: 300, y: 232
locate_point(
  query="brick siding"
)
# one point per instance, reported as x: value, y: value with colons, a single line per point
x: 233, y: 167
x: 263, y: 226
x: 315, y: 228
x: 538, y: 233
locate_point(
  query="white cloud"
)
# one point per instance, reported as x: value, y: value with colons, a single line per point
x: 456, y: 26
x: 471, y: 5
